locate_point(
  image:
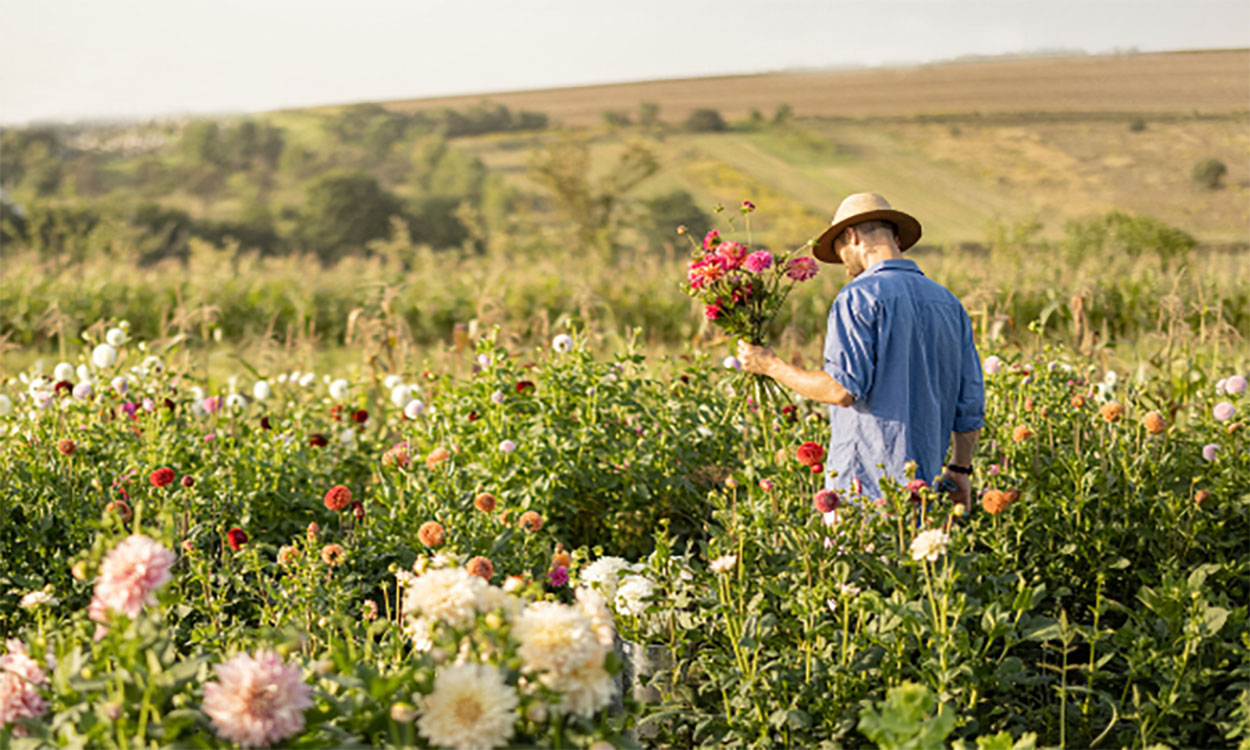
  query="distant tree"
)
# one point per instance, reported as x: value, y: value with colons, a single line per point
x: 704, y: 121
x: 433, y: 220
x: 615, y: 118
x: 1209, y: 173
x: 344, y: 210
x: 1121, y: 234
x: 159, y: 232
x: 783, y: 114
x: 201, y: 144
x: 664, y: 213
x: 649, y: 114
x: 1137, y: 125
x: 438, y: 169
x: 592, y: 206
x: 755, y: 120
x: 32, y: 160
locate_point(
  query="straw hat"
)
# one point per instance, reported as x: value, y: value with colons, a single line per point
x: 859, y: 208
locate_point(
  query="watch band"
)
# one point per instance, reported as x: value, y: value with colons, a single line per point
x: 958, y: 469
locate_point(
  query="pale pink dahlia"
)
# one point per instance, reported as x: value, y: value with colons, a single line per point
x: 128, y: 576
x: 257, y: 700
x: 20, y: 678
x: 732, y: 253
x: 802, y: 269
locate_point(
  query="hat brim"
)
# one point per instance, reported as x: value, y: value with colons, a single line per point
x: 908, y: 231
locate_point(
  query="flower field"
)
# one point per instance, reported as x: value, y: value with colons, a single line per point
x: 565, y: 550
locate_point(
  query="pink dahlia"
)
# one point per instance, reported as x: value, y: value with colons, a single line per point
x: 802, y: 269
x: 257, y: 700
x: 131, y: 571
x: 1224, y: 411
x: 705, y: 271
x: 712, y: 312
x: 825, y: 501
x: 20, y: 678
x: 759, y: 261
x: 711, y: 240
x: 732, y: 253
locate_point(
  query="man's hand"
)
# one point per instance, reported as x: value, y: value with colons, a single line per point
x: 756, y: 359
x: 962, y: 493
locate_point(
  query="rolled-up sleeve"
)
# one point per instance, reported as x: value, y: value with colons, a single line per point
x: 851, y: 343
x: 970, y: 408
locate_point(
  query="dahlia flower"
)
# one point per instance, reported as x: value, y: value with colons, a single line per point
x: 104, y: 356
x: 485, y: 502
x: 555, y: 638
x: 1235, y: 385
x: 431, y: 534
x: 414, y: 409
x: 758, y: 261
x: 731, y: 363
x: 338, y: 389
x: 39, y: 598
x: 83, y: 391
x: 436, y: 457
x: 6, y: 405
x: 802, y: 269
x: 338, y: 497
x: 825, y: 501
x: 63, y: 371
x: 994, y: 501
x: 1154, y: 423
x: 732, y: 254
x: 928, y: 545
x: 992, y: 364
x: 129, y: 575
x: 711, y: 240
x: 20, y: 678
x: 1208, y: 451
x: 604, y: 574
x: 496, y: 397
x: 401, y: 395
x: 116, y: 337
x: 507, y: 446
x: 1224, y: 411
x: 449, y: 595
x: 257, y: 700
x: 261, y: 390
x: 583, y: 690
x: 592, y: 604
x: 562, y: 343
x: 333, y: 555
x: 471, y: 707
x: 120, y: 385
x: 723, y: 564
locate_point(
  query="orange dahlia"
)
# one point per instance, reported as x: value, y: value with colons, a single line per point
x: 436, y: 457
x: 1112, y: 411
x: 338, y: 497
x: 481, y: 567
x: 66, y: 446
x: 1154, y: 422
x: 1021, y: 433
x: 431, y: 533
x: 994, y: 501
x: 1078, y: 401
x: 531, y: 521
x: 485, y: 502
x: 333, y: 555
x: 1202, y: 496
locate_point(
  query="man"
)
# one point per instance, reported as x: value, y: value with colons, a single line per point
x: 901, y: 369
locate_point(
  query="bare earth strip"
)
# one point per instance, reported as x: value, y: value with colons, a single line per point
x: 1183, y: 82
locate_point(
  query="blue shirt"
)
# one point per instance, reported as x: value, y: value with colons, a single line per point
x: 903, y: 346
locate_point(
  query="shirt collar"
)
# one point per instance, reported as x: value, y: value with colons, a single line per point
x: 894, y: 264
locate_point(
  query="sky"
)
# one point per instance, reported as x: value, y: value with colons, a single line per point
x: 68, y: 60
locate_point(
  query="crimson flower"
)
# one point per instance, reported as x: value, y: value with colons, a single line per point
x: 360, y: 416
x: 236, y: 537
x: 162, y: 477
x: 318, y: 440
x: 810, y: 453
x: 524, y: 385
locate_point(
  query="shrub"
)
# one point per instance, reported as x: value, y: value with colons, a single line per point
x: 343, y: 211
x: 1209, y: 173
x: 1137, y: 125
x: 705, y: 121
x: 673, y: 209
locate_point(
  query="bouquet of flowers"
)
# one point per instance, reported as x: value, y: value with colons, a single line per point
x: 742, y: 290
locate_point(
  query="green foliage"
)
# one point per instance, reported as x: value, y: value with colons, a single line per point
x: 704, y: 120
x: 909, y: 718
x: 616, y: 118
x: 1209, y: 173
x: 32, y: 160
x: 666, y: 212
x: 1133, y: 236
x: 343, y: 211
x: 648, y: 114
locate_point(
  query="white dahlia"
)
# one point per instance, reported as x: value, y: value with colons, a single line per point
x: 450, y: 595
x: 471, y: 707
x: 929, y: 545
x: 605, y: 573
x: 583, y: 690
x: 632, y: 595
x: 555, y: 638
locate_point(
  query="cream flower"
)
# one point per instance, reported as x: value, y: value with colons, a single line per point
x: 592, y: 604
x: 555, y: 638
x: 724, y: 563
x: 605, y: 573
x: 584, y: 690
x: 929, y: 545
x: 632, y: 595
x: 471, y: 707
x: 449, y: 595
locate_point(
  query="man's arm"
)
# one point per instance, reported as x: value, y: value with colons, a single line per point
x: 816, y: 385
x: 964, y: 445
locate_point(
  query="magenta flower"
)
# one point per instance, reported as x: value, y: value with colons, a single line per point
x: 1208, y: 451
x: 759, y: 261
x: 802, y: 269
x: 732, y: 253
x: 711, y: 240
x: 130, y: 408
x: 766, y: 485
x: 712, y: 312
x: 149, y: 405
x: 1224, y: 411
x: 558, y: 576
x: 747, y: 207
x: 211, y: 404
x: 1235, y: 384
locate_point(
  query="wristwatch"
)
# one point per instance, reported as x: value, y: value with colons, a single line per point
x: 952, y: 468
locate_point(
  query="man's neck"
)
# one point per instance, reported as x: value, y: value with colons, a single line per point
x: 875, y: 255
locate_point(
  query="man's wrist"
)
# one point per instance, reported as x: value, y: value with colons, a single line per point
x: 956, y: 468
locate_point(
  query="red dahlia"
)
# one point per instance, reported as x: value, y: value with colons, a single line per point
x: 162, y: 477
x: 523, y: 386
x: 360, y: 416
x: 236, y: 537
x: 318, y: 440
x: 338, y: 497
x: 825, y: 501
x: 810, y: 453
